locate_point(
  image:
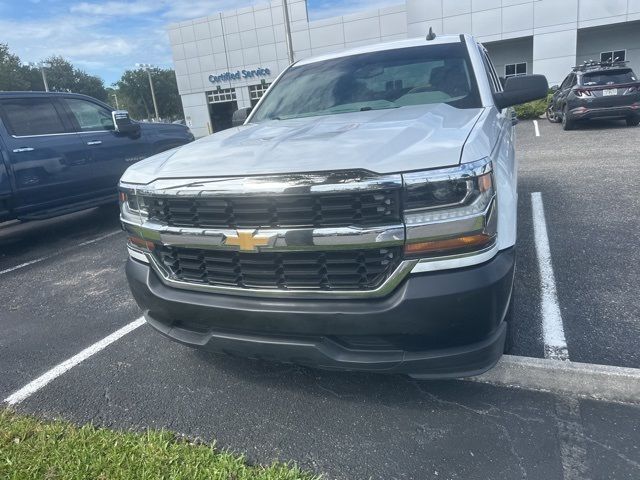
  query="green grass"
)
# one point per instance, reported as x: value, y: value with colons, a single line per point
x: 51, y: 450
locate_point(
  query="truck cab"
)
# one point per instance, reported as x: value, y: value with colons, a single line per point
x: 362, y: 218
x: 63, y: 152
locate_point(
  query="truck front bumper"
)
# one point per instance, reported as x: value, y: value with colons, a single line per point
x: 434, y: 325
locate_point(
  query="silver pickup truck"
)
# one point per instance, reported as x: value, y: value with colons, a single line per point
x: 362, y: 218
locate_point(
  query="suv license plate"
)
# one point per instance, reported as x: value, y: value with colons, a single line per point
x: 610, y: 92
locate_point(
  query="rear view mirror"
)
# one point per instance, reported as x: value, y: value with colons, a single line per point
x: 123, y: 123
x: 521, y: 89
x: 240, y: 116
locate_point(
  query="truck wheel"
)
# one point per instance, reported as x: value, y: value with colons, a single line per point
x: 633, y: 122
x: 568, y: 123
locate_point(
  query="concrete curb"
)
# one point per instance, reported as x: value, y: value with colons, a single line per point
x: 602, y: 382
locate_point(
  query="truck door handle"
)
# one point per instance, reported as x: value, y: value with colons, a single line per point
x: 95, y: 142
x: 24, y: 149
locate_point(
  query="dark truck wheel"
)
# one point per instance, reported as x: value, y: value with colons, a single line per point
x: 568, y: 123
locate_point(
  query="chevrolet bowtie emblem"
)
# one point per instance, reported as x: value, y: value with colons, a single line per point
x: 247, y: 240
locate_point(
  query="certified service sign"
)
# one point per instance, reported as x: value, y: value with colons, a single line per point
x: 239, y: 75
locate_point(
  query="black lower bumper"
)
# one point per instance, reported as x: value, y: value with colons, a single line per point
x: 435, y: 325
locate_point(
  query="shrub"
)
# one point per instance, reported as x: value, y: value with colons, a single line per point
x: 533, y: 110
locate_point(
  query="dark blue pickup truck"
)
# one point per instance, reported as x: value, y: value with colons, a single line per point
x: 63, y: 152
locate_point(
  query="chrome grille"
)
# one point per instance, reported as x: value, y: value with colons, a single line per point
x: 339, y: 270
x: 381, y: 207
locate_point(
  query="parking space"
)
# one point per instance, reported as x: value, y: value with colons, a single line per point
x: 352, y: 426
x: 589, y: 183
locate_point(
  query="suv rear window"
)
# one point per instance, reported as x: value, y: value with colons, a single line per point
x: 31, y: 116
x: 374, y: 81
x: 609, y: 77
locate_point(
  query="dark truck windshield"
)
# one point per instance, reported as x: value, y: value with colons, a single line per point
x: 374, y: 81
x: 609, y: 77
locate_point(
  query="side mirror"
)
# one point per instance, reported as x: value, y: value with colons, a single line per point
x: 123, y: 123
x: 240, y: 116
x: 522, y: 89
x: 555, y: 88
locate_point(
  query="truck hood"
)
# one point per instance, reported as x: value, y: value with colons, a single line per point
x: 382, y: 141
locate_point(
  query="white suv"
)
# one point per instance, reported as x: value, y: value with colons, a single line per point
x: 362, y: 218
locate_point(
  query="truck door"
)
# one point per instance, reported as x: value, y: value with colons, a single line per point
x: 5, y: 181
x: 49, y: 163
x: 111, y: 152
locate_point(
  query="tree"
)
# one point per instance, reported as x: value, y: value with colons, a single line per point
x: 62, y: 76
x: 13, y: 75
x: 134, y: 93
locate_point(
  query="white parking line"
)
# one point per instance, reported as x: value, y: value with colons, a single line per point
x: 537, y: 127
x: 555, y: 344
x: 601, y: 382
x: 40, y: 259
x: 67, y: 365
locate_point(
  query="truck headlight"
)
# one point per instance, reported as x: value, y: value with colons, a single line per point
x: 450, y: 211
x: 133, y: 207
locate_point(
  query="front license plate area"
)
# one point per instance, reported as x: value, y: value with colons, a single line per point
x: 610, y: 92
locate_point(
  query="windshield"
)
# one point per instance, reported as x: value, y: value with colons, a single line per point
x: 374, y: 81
x: 608, y: 77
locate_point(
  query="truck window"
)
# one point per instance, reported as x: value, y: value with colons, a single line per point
x: 494, y: 80
x: 31, y: 116
x: 429, y: 74
x: 90, y: 117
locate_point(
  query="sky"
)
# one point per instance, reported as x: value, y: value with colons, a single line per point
x: 105, y: 38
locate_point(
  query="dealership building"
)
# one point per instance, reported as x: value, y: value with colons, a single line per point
x: 227, y: 60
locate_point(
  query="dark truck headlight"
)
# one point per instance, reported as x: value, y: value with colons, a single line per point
x: 450, y: 211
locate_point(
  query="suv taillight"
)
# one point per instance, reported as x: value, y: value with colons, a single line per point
x: 581, y: 92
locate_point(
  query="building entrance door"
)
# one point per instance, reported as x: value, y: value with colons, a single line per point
x: 222, y: 104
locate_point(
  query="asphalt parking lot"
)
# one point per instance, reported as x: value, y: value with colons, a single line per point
x: 63, y: 289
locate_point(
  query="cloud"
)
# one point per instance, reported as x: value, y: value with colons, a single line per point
x: 87, y: 34
x: 89, y: 42
x: 114, y: 9
x: 188, y: 9
x: 319, y: 9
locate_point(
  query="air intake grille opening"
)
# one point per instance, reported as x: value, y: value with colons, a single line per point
x: 340, y: 270
x: 278, y: 211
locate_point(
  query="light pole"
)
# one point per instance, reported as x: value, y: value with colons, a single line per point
x: 42, y: 66
x: 287, y: 30
x: 148, y: 67
x: 115, y: 96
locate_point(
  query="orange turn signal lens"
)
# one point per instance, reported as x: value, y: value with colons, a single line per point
x: 142, y: 243
x: 485, y: 182
x: 123, y: 197
x: 448, y: 245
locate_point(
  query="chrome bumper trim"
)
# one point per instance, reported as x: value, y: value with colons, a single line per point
x: 272, y: 240
x: 291, y: 184
x: 137, y: 254
x: 452, y: 262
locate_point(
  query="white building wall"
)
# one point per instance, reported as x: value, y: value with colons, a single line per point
x: 255, y: 37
